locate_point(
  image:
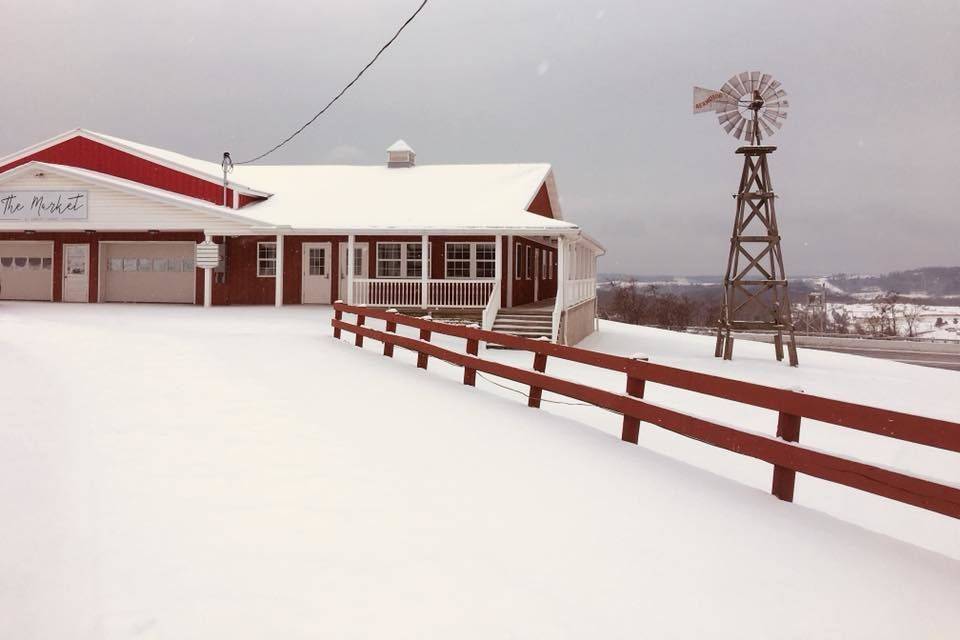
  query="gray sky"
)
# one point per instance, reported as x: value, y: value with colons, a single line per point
x: 867, y: 170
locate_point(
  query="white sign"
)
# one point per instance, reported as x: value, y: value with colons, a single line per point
x: 208, y: 255
x: 43, y: 205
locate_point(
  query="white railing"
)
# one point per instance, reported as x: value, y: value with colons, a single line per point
x: 492, y: 309
x: 409, y: 293
x: 578, y: 291
x: 387, y: 293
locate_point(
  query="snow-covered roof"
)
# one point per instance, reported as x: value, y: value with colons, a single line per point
x: 400, y: 145
x: 340, y: 198
x: 427, y: 197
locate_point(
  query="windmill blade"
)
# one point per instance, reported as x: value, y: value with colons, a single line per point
x: 737, y: 86
x: 727, y: 116
x: 767, y: 131
x: 764, y: 81
x: 773, y: 120
x: 733, y: 123
x: 728, y: 89
x: 739, y: 130
x: 745, y: 81
x: 768, y: 93
x: 754, y: 80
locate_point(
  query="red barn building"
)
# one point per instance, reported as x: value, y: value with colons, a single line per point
x: 86, y: 217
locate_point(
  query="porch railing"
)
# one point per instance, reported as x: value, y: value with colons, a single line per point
x: 410, y: 293
x: 578, y: 291
x: 492, y: 309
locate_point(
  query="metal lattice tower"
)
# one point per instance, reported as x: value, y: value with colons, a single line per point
x: 755, y: 295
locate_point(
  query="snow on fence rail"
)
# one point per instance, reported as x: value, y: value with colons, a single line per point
x: 783, y: 452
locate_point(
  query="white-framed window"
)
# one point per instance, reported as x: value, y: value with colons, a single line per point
x: 517, y: 262
x: 400, y: 259
x: 266, y: 260
x: 470, y: 260
x: 528, y: 262
x: 317, y: 261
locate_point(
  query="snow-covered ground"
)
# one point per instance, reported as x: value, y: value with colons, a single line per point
x: 176, y: 472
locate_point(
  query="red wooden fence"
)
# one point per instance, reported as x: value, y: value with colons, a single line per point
x: 787, y: 457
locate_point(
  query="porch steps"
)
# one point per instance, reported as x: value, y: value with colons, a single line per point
x: 527, y: 323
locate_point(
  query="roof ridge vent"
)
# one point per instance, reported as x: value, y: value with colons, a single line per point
x: 400, y: 155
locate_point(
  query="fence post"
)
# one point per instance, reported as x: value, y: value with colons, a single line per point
x: 338, y: 315
x: 391, y: 328
x: 788, y: 428
x: 540, y: 365
x: 422, y: 357
x: 635, y: 388
x: 360, y: 320
x: 473, y: 348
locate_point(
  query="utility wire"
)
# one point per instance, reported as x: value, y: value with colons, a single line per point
x: 342, y: 91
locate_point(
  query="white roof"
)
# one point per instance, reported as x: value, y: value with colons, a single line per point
x: 429, y: 197
x: 400, y: 145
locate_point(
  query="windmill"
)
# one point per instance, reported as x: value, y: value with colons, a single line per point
x: 750, y: 106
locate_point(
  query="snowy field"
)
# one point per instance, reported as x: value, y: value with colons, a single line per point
x: 177, y: 472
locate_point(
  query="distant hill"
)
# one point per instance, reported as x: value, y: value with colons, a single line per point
x: 930, y: 285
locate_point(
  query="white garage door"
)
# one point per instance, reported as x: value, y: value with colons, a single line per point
x: 147, y: 271
x: 26, y: 270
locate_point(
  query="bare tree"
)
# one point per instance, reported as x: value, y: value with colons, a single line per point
x: 911, y: 317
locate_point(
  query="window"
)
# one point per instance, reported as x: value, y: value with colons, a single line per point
x: 413, y: 260
x: 550, y: 268
x: 517, y: 262
x: 471, y: 260
x: 400, y: 259
x: 129, y: 264
x: 458, y: 260
x: 486, y: 260
x: 266, y: 260
x: 528, y: 262
x: 317, y: 261
x: 188, y: 263
x: 160, y: 265
x: 543, y: 263
x: 34, y: 263
x: 144, y: 264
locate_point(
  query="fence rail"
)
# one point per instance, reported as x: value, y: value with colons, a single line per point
x: 782, y: 451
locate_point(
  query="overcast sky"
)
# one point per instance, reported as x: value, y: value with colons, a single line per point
x: 867, y: 168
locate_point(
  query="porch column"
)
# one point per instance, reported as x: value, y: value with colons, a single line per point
x: 561, y: 271
x: 278, y: 288
x: 510, y: 261
x: 207, y: 279
x: 498, y: 254
x: 349, y: 269
x: 425, y: 271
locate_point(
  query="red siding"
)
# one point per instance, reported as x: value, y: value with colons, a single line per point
x: 541, y: 203
x: 245, y: 200
x: 88, y: 154
x: 523, y: 288
x: 240, y: 284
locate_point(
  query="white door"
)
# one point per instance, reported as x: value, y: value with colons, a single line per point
x: 360, y: 265
x: 316, y: 273
x: 76, y: 273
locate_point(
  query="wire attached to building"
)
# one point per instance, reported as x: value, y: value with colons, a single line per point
x: 342, y: 91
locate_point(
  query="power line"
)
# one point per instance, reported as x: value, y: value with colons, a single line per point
x: 342, y: 91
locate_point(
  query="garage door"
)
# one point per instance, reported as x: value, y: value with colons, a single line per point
x: 147, y: 271
x: 26, y: 270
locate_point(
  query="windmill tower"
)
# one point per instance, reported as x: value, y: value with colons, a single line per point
x: 751, y: 105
